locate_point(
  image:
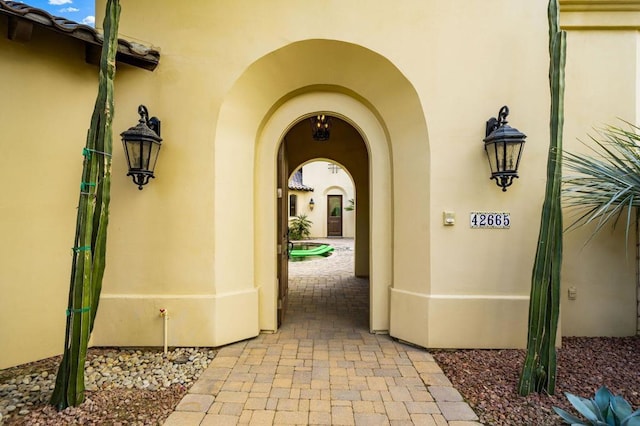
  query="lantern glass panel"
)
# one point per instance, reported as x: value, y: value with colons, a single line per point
x: 132, y: 148
x: 492, y: 154
x: 146, y: 153
x: 511, y: 156
x: 153, y: 156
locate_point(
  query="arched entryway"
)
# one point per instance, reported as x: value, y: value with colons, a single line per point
x: 367, y: 91
x: 357, y: 138
x: 345, y: 146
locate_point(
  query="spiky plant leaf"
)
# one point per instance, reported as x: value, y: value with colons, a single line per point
x: 632, y: 420
x: 621, y: 407
x: 603, y: 398
x: 585, y: 407
x: 603, y: 187
x: 567, y: 417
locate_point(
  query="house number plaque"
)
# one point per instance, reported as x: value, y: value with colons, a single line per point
x: 480, y: 220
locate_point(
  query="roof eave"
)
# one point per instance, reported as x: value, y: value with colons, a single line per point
x: 22, y: 19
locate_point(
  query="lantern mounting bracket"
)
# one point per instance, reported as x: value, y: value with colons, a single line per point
x: 494, y: 123
x: 153, y: 123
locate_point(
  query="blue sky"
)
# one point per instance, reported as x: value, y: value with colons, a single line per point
x: 82, y: 11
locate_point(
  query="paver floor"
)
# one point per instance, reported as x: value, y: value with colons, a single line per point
x: 323, y: 367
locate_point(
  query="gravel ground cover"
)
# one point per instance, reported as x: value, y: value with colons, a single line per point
x: 124, y: 387
x: 142, y: 387
x: 488, y: 379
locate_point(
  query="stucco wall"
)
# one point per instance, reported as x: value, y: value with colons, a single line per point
x: 459, y: 80
x: 606, y: 294
x: 409, y: 90
x: 318, y: 176
x: 417, y: 83
x: 47, y: 98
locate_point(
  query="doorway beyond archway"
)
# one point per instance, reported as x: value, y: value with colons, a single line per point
x: 311, y: 189
x: 372, y: 178
x: 346, y: 147
x: 334, y: 215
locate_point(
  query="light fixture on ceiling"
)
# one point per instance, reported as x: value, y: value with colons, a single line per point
x: 321, y: 127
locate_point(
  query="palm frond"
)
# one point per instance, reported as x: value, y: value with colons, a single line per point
x: 604, y: 186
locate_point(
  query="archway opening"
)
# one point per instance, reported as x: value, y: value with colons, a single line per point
x: 342, y: 173
x: 373, y: 187
x: 322, y: 193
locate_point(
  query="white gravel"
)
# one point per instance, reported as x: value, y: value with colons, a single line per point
x: 114, y: 368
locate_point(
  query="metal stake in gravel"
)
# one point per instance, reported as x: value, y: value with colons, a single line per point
x: 539, y: 371
x: 89, y: 248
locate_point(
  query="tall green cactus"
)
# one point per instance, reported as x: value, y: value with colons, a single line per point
x: 539, y: 370
x: 89, y: 248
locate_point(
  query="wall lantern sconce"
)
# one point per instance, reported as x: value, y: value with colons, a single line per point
x: 321, y: 127
x: 503, y: 145
x: 141, y: 146
x: 312, y: 204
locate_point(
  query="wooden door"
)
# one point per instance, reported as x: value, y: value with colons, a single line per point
x: 334, y: 215
x: 283, y: 235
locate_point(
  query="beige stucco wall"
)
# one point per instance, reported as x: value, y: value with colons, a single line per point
x: 43, y: 117
x: 452, y: 105
x: 417, y: 85
x: 318, y: 176
x: 602, y: 89
x: 373, y: 60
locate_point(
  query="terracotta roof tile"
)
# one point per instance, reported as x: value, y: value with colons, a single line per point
x: 299, y: 187
x: 22, y: 16
x: 295, y: 183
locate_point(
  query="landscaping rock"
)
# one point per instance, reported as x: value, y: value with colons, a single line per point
x: 26, y: 390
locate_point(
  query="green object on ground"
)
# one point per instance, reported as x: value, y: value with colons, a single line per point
x: 321, y: 250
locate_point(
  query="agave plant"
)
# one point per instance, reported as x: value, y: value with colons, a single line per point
x: 605, y: 409
x: 605, y: 186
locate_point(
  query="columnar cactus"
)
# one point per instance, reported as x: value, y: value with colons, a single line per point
x: 539, y: 371
x: 91, y: 227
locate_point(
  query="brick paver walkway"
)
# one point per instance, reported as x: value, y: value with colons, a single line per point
x: 323, y: 366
